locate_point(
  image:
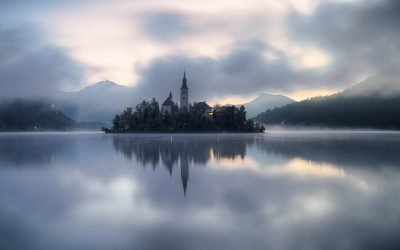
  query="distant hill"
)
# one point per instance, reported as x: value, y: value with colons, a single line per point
x: 96, y: 103
x: 32, y: 115
x: 264, y: 102
x: 385, y: 84
x: 101, y: 88
x: 373, y: 103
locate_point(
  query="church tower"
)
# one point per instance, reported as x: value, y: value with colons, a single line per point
x: 184, y: 95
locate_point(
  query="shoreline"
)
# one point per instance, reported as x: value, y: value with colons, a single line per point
x: 181, y: 132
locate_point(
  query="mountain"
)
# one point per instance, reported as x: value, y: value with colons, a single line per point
x: 32, y: 115
x: 103, y: 87
x: 385, y: 84
x: 372, y: 103
x: 264, y: 102
x: 98, y: 102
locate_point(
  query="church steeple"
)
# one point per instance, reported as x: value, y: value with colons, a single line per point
x: 184, y: 84
x: 184, y: 94
x: 184, y: 172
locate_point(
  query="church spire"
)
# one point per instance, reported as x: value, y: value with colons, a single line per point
x: 184, y: 84
x: 170, y: 94
x: 184, y: 173
x: 184, y: 94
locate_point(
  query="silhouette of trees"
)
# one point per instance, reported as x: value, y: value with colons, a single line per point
x: 338, y: 111
x: 30, y: 115
x: 146, y: 117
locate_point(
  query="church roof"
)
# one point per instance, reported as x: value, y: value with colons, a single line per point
x: 168, y: 101
x: 202, y: 105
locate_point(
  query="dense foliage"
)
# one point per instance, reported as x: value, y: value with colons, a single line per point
x: 338, y: 111
x: 32, y: 115
x: 146, y: 117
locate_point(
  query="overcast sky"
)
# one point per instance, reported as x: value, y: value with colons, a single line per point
x: 231, y: 50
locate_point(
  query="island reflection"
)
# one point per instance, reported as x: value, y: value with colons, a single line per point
x: 173, y: 151
x: 340, y: 151
x: 273, y: 191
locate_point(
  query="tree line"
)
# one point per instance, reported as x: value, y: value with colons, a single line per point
x: 338, y: 111
x: 147, y: 117
x: 32, y: 115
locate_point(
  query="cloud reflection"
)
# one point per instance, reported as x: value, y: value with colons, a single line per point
x: 286, y: 191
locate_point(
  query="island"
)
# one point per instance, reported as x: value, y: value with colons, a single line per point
x: 147, y: 116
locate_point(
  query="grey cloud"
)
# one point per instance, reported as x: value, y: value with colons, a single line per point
x: 243, y: 71
x: 40, y: 4
x: 166, y: 26
x: 362, y: 39
x: 362, y: 36
x: 30, y: 67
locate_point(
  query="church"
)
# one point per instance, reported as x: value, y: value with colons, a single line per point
x: 168, y: 105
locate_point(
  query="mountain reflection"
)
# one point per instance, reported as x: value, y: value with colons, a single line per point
x: 182, y: 151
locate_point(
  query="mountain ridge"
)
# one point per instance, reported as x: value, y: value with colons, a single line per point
x: 265, y: 101
x: 372, y: 103
x: 96, y: 102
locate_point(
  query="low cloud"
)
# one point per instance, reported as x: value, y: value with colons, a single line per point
x: 29, y: 67
x: 361, y: 36
x: 243, y: 71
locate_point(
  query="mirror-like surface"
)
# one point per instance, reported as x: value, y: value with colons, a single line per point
x: 304, y: 190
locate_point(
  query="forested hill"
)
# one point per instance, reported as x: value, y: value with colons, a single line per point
x: 338, y: 110
x: 32, y: 115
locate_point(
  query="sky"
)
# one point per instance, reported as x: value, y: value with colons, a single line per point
x: 231, y: 50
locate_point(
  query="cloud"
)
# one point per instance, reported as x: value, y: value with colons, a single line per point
x: 30, y: 67
x: 347, y: 41
x: 294, y: 47
x: 166, y: 26
x: 362, y: 36
x: 243, y: 71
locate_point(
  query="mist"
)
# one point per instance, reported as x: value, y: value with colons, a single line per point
x: 30, y: 67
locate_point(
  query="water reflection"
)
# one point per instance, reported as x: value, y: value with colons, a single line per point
x: 30, y: 149
x: 341, y: 149
x: 328, y: 154
x: 172, y: 151
x: 278, y: 191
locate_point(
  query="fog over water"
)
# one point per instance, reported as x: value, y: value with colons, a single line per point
x: 281, y: 190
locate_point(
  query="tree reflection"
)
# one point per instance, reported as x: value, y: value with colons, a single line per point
x: 183, y: 151
x: 29, y: 150
x: 351, y: 150
x: 355, y: 150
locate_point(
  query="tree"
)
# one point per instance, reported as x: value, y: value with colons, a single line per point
x: 116, y: 123
x: 147, y: 118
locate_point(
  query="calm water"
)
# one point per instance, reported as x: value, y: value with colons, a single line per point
x: 274, y: 191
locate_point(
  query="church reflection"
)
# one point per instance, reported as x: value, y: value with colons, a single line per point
x: 341, y: 151
x: 185, y: 152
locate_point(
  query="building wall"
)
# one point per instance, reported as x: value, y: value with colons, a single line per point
x: 184, y: 100
x: 166, y: 108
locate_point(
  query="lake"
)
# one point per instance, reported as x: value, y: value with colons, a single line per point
x: 280, y: 190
